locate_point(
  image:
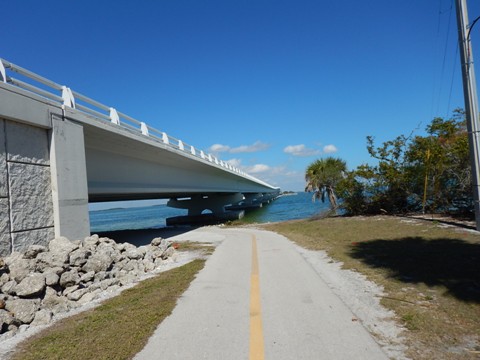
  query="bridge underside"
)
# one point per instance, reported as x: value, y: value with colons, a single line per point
x: 122, y: 168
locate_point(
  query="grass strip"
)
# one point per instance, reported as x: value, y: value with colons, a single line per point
x: 430, y: 274
x: 117, y: 329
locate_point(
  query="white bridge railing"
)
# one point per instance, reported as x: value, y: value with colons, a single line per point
x: 68, y: 98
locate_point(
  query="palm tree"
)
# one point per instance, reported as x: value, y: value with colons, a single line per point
x: 322, y: 176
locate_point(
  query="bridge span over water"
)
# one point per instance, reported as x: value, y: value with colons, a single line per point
x: 60, y: 150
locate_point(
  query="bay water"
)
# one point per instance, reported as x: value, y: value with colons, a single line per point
x: 286, y: 207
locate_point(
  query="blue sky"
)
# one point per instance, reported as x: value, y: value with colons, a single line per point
x: 268, y: 85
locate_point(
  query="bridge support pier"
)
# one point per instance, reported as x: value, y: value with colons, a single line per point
x: 69, y: 180
x: 250, y: 202
x: 195, y: 205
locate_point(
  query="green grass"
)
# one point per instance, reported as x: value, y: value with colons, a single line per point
x: 431, y: 274
x: 117, y: 329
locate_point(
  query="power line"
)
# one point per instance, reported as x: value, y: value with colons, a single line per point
x: 455, y: 59
x: 439, y: 77
x: 444, y: 59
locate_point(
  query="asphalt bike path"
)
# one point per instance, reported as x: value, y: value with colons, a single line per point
x: 258, y: 298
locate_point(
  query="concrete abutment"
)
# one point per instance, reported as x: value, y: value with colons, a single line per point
x: 43, y: 184
x: 25, y: 187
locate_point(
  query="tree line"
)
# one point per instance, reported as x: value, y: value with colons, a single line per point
x: 429, y: 174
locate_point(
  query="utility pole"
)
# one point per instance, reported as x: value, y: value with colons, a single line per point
x: 471, y: 99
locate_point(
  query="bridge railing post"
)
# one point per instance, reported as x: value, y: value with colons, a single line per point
x: 165, y: 138
x: 144, y: 128
x: 68, y: 98
x: 3, y: 73
x: 114, y: 118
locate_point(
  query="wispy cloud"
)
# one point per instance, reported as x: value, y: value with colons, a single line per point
x: 253, y: 169
x: 300, y: 150
x: 257, y: 169
x: 330, y: 149
x: 274, y: 175
x: 303, y: 151
x: 255, y: 147
x: 218, y: 148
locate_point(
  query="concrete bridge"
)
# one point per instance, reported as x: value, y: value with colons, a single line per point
x: 60, y: 150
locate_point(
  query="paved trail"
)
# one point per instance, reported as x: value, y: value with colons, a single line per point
x: 257, y: 298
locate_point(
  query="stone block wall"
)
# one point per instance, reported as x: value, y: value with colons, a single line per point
x: 26, y: 209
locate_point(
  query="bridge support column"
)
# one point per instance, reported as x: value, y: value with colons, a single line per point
x: 254, y: 199
x: 69, y: 180
x: 250, y: 202
x: 195, y: 205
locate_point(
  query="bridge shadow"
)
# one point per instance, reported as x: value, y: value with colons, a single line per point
x: 451, y: 263
x: 145, y: 236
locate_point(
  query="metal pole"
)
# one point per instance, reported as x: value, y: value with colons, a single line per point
x: 471, y: 100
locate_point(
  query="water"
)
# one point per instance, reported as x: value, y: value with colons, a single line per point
x: 288, y: 207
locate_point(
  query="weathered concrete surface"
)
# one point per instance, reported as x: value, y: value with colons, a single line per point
x: 37, y: 112
x: 27, y: 144
x: 3, y: 162
x: 5, y: 240
x: 26, y: 215
x: 39, y: 197
x: 26, y: 211
x: 22, y: 240
x: 30, y: 196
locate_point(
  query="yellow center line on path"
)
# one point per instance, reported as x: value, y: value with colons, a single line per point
x: 256, y: 331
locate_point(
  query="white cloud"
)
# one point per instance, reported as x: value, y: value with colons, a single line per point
x: 330, y: 149
x: 257, y: 146
x: 252, y: 169
x: 300, y: 150
x: 281, y: 176
x: 217, y: 148
x: 257, y: 168
x: 284, y: 178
